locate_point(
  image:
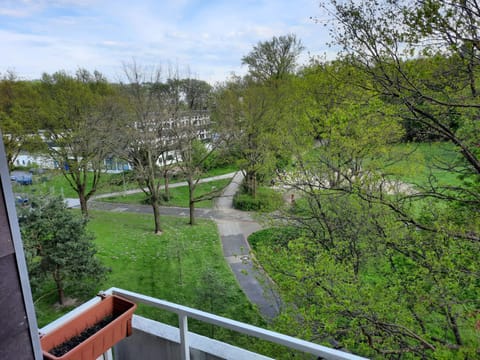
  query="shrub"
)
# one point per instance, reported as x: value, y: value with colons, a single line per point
x: 58, y: 246
x: 280, y: 236
x: 267, y: 200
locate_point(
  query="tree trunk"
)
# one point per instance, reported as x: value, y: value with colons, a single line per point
x: 191, y: 202
x: 59, y: 285
x: 167, y: 192
x: 83, y: 204
x: 156, y: 216
x: 10, y: 162
x: 252, y: 183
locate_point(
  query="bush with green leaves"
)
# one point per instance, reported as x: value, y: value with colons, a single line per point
x: 266, y: 200
x: 58, y: 246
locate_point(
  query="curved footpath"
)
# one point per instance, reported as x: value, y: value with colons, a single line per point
x: 234, y: 227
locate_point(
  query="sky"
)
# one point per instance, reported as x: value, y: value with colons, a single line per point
x: 205, y: 39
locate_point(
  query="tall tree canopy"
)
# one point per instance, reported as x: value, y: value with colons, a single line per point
x: 19, y: 116
x: 82, y: 123
x: 260, y: 110
x: 423, y: 55
x: 245, y: 112
x: 273, y: 59
x: 383, y: 267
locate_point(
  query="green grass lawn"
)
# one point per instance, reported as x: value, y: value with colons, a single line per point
x: 421, y: 161
x: 178, y: 195
x: 53, y: 182
x: 184, y: 265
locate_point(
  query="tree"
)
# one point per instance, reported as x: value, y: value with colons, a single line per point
x: 148, y: 131
x: 254, y: 110
x: 243, y: 112
x: 192, y: 155
x: 57, y: 245
x: 19, y: 118
x: 196, y: 93
x: 372, y: 266
x: 185, y: 99
x: 83, y: 126
x: 424, y: 57
x: 273, y: 59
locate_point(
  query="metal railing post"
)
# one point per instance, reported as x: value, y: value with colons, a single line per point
x: 184, y: 343
x: 106, y: 356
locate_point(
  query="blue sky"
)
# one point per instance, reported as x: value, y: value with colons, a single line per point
x: 206, y: 39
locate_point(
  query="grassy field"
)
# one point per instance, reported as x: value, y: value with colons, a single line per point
x: 178, y: 195
x: 54, y: 182
x: 419, y: 162
x: 184, y: 265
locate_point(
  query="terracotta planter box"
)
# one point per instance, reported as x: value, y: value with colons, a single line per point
x: 90, y: 349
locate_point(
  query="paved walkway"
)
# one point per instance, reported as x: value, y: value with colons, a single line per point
x: 234, y: 227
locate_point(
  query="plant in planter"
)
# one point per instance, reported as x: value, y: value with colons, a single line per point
x: 92, y: 332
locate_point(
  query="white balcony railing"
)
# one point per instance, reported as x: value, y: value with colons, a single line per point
x: 184, y: 313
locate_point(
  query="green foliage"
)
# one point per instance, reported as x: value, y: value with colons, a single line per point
x: 200, y: 155
x: 274, y: 59
x: 351, y: 273
x: 263, y: 124
x: 58, y: 245
x: 422, y: 58
x: 266, y: 200
x: 83, y: 122
x: 219, y: 160
x: 273, y: 237
x: 19, y: 117
x: 375, y: 264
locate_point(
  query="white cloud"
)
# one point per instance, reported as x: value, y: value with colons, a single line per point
x: 209, y: 37
x: 14, y: 12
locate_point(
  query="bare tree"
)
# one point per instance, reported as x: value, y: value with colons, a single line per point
x: 189, y: 134
x: 148, y: 131
x: 189, y: 129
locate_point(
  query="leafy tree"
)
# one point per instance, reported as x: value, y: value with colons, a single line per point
x: 257, y: 112
x: 83, y: 126
x: 185, y: 93
x: 196, y: 93
x: 243, y: 112
x: 358, y: 278
x: 273, y: 59
x: 57, y: 245
x: 424, y: 57
x: 19, y: 118
x: 375, y: 267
